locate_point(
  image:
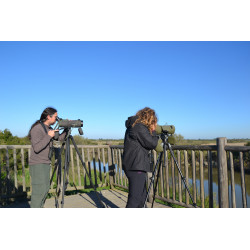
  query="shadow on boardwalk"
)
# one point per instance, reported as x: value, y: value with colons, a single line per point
x: 111, y: 199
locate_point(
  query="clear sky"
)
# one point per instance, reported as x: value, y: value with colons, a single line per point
x: 200, y: 87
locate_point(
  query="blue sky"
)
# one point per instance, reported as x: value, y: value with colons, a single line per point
x: 200, y: 87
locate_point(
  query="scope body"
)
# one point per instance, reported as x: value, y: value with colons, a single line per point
x: 70, y: 123
x: 170, y: 129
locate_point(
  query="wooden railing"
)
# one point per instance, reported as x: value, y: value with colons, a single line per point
x: 216, y: 163
x: 216, y: 160
x: 14, y: 169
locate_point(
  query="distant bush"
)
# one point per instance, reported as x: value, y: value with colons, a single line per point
x: 6, y: 138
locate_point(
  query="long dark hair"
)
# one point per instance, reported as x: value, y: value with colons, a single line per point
x: 48, y: 111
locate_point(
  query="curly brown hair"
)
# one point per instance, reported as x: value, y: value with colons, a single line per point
x: 146, y: 116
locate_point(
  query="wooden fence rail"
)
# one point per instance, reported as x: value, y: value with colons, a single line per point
x: 217, y: 161
x: 203, y: 167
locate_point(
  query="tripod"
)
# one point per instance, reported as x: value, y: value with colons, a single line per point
x: 66, y: 143
x: 164, y: 137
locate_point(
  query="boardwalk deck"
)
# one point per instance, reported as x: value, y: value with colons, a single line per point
x: 111, y: 198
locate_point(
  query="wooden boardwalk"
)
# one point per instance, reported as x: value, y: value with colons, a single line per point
x: 111, y: 199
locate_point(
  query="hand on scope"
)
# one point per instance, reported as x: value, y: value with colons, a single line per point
x: 51, y: 133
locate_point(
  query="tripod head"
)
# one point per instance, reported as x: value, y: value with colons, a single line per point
x: 167, y: 138
x: 67, y: 125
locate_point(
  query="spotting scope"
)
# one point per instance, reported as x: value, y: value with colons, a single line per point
x: 167, y: 129
x: 69, y: 123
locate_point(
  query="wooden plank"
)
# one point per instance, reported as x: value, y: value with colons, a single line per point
x: 15, y: 146
x: 179, y: 176
x: 99, y: 164
x: 23, y: 170
x: 116, y: 167
x: 125, y: 177
x: 155, y: 160
x: 161, y: 180
x: 84, y: 168
x: 233, y: 197
x: 120, y: 160
x: 104, y: 167
x: 72, y: 164
x: 210, y: 179
x: 194, y: 147
x: 174, y: 202
x: 186, y: 174
x: 110, y: 167
x: 167, y: 175
x: 29, y: 152
x: 194, y: 175
x: 15, y: 170
x: 8, y: 172
x: 78, y: 170
x: 173, y: 177
x: 243, y: 183
x: 202, y: 195
x: 89, y: 165
x: 237, y: 148
x: 94, y: 163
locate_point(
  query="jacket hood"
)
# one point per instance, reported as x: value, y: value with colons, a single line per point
x: 130, y: 121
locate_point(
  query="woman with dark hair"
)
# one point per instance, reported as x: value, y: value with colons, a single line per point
x: 140, y: 138
x: 41, y: 135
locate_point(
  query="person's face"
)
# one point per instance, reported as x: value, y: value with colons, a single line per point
x: 52, y: 119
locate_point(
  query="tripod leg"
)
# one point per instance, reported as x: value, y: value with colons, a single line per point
x: 182, y: 177
x: 152, y: 178
x: 158, y: 174
x: 91, y: 183
x: 65, y: 171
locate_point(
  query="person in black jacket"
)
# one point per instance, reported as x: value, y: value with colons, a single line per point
x: 140, y: 138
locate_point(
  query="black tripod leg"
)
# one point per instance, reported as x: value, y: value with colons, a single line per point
x: 65, y: 171
x: 80, y: 157
x: 158, y: 174
x: 182, y: 177
x: 152, y: 178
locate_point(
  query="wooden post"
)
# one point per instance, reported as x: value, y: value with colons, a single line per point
x: 72, y: 164
x: 202, y: 180
x: 8, y: 172
x: 78, y: 170
x: 243, y: 182
x: 186, y: 174
x: 210, y: 179
x: 104, y: 167
x: 167, y: 175
x: 232, y: 181
x: 179, y: 176
x: 222, y: 172
x: 111, y: 168
x: 194, y: 174
x: 23, y: 169
x: 15, y: 170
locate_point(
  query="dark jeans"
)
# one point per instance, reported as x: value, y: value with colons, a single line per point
x: 40, y: 179
x: 137, y: 188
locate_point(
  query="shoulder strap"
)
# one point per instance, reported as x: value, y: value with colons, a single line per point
x: 44, y: 127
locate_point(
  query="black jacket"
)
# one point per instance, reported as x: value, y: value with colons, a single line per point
x: 137, y: 144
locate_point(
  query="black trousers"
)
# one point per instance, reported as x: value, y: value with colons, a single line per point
x: 137, y: 188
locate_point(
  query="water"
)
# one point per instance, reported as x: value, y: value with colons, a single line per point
x: 237, y: 179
